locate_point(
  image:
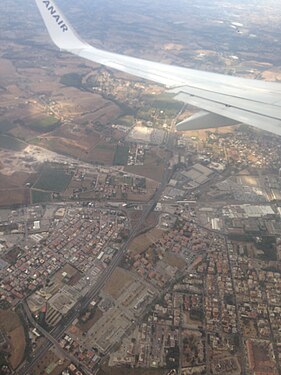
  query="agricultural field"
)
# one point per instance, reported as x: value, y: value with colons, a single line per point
x: 10, y: 143
x: 5, y: 126
x: 53, y: 179
x: 121, y: 155
x: 83, y: 134
x: 16, y: 180
x: 44, y: 124
x: 62, y: 146
x: 81, y: 142
x: 22, y: 133
x: 103, y: 153
x: 38, y: 196
x: 14, y: 197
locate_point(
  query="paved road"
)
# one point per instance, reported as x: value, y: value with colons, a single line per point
x: 53, y: 341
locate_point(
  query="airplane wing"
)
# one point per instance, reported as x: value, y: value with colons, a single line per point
x: 226, y: 100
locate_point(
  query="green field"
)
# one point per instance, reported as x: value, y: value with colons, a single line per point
x: 11, y: 143
x: 121, y: 155
x: 40, y: 196
x: 53, y: 179
x: 44, y: 124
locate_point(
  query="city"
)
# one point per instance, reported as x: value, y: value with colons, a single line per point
x: 126, y: 247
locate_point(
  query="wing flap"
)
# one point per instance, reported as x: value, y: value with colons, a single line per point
x: 231, y: 100
x: 239, y: 115
x: 204, y: 120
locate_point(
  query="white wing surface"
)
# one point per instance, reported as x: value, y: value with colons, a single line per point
x: 225, y: 99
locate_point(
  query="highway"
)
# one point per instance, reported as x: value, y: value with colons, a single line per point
x: 57, y: 332
x: 52, y: 340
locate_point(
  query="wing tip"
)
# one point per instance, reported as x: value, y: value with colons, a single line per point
x: 59, y: 28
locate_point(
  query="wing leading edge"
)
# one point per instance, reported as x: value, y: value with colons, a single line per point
x: 225, y: 99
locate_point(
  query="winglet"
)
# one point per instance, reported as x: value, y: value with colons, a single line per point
x: 60, y: 30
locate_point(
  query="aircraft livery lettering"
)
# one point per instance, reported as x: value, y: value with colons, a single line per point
x: 55, y: 15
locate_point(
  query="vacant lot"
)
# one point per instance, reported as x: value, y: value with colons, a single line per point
x: 174, y: 260
x: 52, y: 179
x: 50, y: 364
x: 117, y: 282
x: 11, y: 325
x: 143, y: 241
x: 137, y: 197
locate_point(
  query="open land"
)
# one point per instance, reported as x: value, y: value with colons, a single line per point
x: 12, y: 326
x: 14, y: 197
x: 153, y: 166
x: 145, y: 240
x: 52, y: 364
x: 118, y: 281
x: 52, y: 179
